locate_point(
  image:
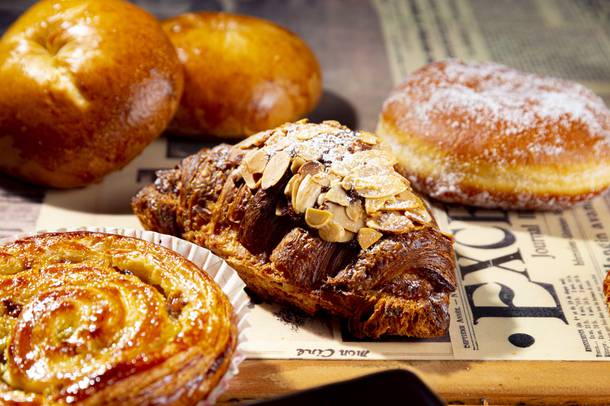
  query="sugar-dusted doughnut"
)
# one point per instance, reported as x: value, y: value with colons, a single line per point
x: 487, y: 135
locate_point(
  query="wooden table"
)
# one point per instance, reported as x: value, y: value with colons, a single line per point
x: 457, y: 382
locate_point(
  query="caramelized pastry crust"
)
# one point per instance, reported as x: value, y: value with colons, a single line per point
x: 487, y: 135
x: 101, y: 319
x: 315, y: 216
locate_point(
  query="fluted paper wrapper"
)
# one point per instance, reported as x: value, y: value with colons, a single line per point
x: 225, y: 276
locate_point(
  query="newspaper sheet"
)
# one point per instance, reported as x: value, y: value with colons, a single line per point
x: 529, y: 283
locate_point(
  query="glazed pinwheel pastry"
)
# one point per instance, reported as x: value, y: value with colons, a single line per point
x: 315, y: 216
x: 94, y: 318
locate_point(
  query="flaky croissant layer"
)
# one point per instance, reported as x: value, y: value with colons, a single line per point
x: 318, y: 217
x: 95, y: 319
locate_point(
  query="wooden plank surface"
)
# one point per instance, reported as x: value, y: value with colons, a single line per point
x: 457, y: 382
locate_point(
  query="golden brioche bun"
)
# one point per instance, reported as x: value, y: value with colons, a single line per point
x: 84, y: 87
x: 488, y: 135
x: 242, y: 74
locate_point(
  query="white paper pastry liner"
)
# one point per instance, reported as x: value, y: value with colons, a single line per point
x: 225, y: 276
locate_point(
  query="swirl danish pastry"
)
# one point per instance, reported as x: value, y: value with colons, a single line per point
x: 97, y: 318
x: 315, y: 216
x: 487, y: 135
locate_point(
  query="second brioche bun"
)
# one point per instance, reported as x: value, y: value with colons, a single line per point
x: 487, y: 135
x: 242, y: 74
x: 84, y: 87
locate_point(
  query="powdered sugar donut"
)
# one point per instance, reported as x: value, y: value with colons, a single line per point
x: 487, y: 135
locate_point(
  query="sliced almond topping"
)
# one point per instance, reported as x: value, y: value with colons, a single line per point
x: 255, y: 140
x: 362, y: 164
x: 249, y: 179
x: 367, y: 237
x: 311, y: 168
x: 425, y: 216
x: 310, y: 154
x: 321, y: 199
x: 333, y: 123
x: 374, y: 205
x: 420, y: 216
x: 400, y: 205
x: 363, y: 192
x: 295, y: 180
x: 282, y: 142
x: 317, y: 218
x: 276, y: 136
x: 336, y: 194
x: 295, y: 188
x: 307, y: 133
x: 321, y: 179
x: 276, y: 167
x: 367, y: 137
x: 380, y: 186
x: 341, y: 218
x: 355, y: 212
x: 297, y: 162
x: 340, y: 169
x: 407, y: 195
x: 405, y: 200
x: 391, y: 222
x: 333, y: 232
x: 256, y: 160
x: 334, y: 179
x: 307, y: 194
x: 347, y: 183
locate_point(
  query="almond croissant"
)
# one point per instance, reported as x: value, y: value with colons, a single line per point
x: 315, y: 216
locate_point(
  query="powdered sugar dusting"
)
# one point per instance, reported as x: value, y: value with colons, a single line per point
x: 327, y: 142
x: 493, y: 123
x: 506, y: 102
x: 341, y: 181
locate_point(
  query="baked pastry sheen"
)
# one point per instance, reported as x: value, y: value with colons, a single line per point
x: 487, y: 135
x: 315, y: 216
x: 84, y: 87
x: 105, y: 319
x: 242, y: 74
x: 607, y: 289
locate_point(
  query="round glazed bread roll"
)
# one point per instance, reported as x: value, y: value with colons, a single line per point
x: 84, y: 87
x: 242, y: 74
x: 487, y: 135
x: 105, y: 319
